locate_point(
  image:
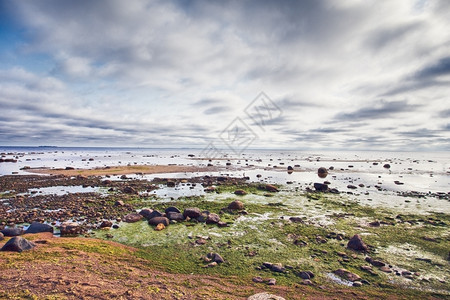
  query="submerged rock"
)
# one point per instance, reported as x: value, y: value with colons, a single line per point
x: 37, y: 227
x: 356, y: 243
x: 18, y: 244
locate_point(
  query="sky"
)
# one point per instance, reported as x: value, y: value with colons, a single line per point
x: 307, y: 74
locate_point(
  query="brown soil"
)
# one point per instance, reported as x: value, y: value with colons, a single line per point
x: 80, y: 268
x: 123, y: 170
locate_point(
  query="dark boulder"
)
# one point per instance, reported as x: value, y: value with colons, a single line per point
x: 387, y: 166
x: 146, y: 212
x: 356, y: 243
x: 172, y: 209
x: 12, y: 231
x: 18, y: 244
x: 159, y: 220
x: 192, y: 212
x: 37, y: 227
x: 106, y: 224
x: 271, y: 188
x: 320, y: 187
x: 215, y: 257
x: 289, y: 168
x: 240, y: 192
x: 154, y: 214
x: 176, y: 216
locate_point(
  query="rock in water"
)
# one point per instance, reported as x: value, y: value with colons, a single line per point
x: 265, y: 296
x: 18, y: 244
x: 159, y: 220
x: 320, y: 187
x: 37, y: 227
x: 356, y: 243
x: 12, y: 231
x: 236, y: 205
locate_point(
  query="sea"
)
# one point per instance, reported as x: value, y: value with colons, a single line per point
x: 407, y: 181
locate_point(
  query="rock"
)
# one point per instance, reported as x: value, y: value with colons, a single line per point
x: 322, y: 172
x: 307, y: 282
x: 215, y: 257
x: 106, y: 224
x: 159, y: 220
x: 154, y: 214
x: 343, y: 273
x: 374, y: 262
x: 123, y: 177
x: 296, y: 220
x: 357, y: 244
x: 387, y: 166
x: 240, y: 192
x: 18, y: 244
x: 211, y: 264
x: 352, y: 187
x: 146, y: 212
x: 277, y: 268
x: 212, y: 218
x: 375, y: 224
x: 357, y: 283
x: 386, y: 269
x: 132, y: 218
x: 119, y: 203
x: 172, y: 209
x: 12, y: 231
x: 175, y: 216
x: 129, y: 190
x: 271, y: 188
x: 170, y: 184
x: 160, y: 227
x: 222, y: 224
x: 210, y: 189
x: 265, y: 296
x: 271, y: 281
x: 192, y: 212
x: 304, y: 275
x: 236, y: 204
x: 70, y: 228
x: 320, y: 187
x: 289, y: 168
x: 37, y: 227
x: 257, y: 279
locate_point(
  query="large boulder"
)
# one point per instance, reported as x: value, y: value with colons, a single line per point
x: 192, y: 212
x: 146, y: 212
x: 18, y: 244
x: 236, y: 204
x: 172, y: 209
x: 12, y: 231
x: 37, y: 227
x: 357, y: 244
x: 132, y: 218
x: 70, y: 229
x: 159, y: 220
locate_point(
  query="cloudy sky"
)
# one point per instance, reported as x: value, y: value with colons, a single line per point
x: 356, y: 74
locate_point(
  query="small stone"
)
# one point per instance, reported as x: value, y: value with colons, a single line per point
x: 240, y: 192
x: 159, y: 220
x: 192, y: 212
x: 119, y: 203
x: 160, y: 227
x: 271, y: 188
x: 303, y: 275
x: 271, y: 281
x: 347, y: 275
x: 132, y: 218
x: 106, y: 224
x: 212, y: 218
x: 356, y: 243
x: 257, y: 279
x: 277, y: 268
x: 216, y: 257
x: 385, y: 269
x: 357, y: 283
x: 307, y: 282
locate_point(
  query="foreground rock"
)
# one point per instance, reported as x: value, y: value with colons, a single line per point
x: 236, y: 205
x: 192, y: 212
x: 37, y: 227
x: 159, y: 220
x: 18, y: 244
x: 356, y: 243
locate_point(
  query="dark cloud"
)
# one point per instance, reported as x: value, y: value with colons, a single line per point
x: 385, y: 37
x: 380, y: 110
x: 420, y: 133
x: 441, y: 67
